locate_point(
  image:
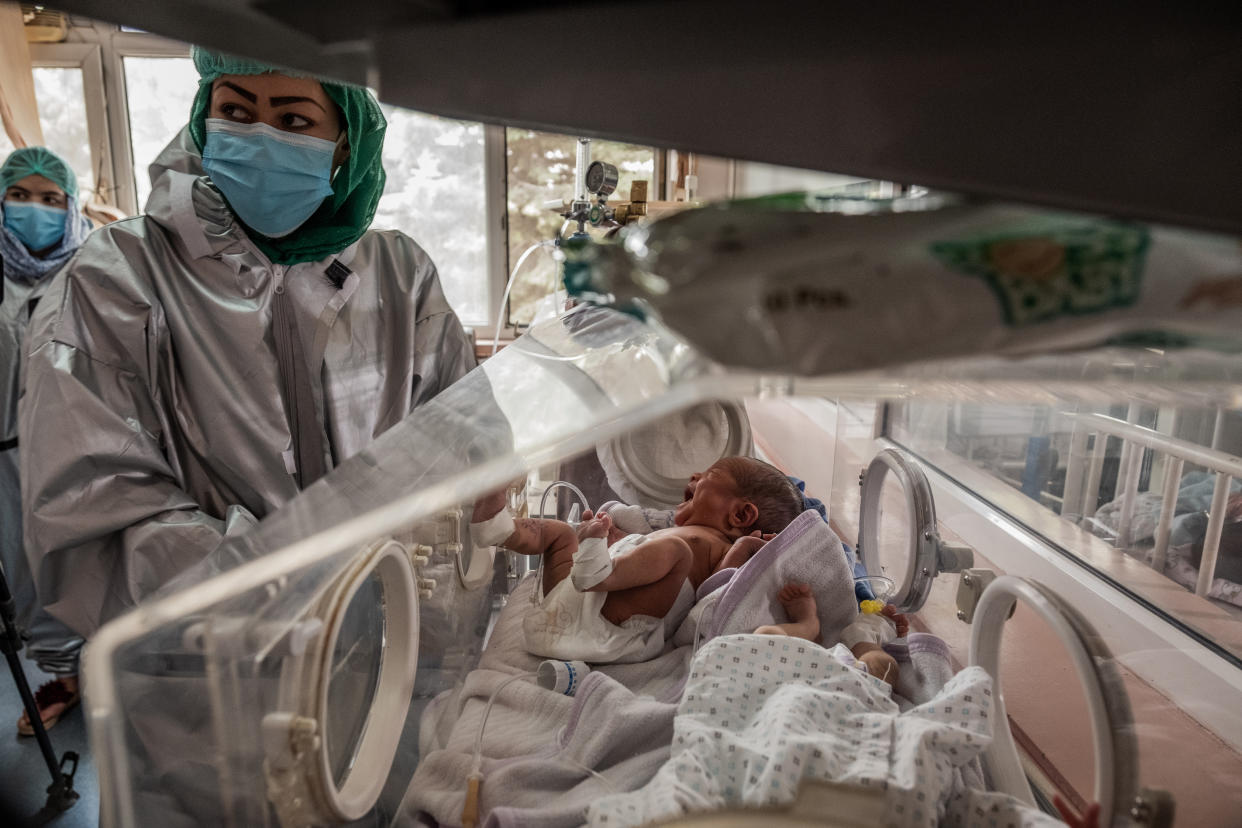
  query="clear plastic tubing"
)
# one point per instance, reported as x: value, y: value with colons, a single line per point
x: 504, y: 300
x: 543, y: 502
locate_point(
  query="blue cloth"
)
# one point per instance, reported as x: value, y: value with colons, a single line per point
x: 273, y: 180
x: 862, y: 589
x: 38, y: 226
x: 22, y: 266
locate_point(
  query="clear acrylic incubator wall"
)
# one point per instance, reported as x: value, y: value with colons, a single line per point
x: 1043, y: 403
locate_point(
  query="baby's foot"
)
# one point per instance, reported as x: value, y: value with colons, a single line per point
x: 799, y: 604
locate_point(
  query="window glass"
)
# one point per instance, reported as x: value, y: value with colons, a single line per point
x: 435, y: 193
x: 62, y: 114
x: 160, y: 91
x: 1067, y: 472
x: 541, y: 169
x: 755, y: 179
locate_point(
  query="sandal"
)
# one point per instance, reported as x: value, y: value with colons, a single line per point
x: 51, y: 693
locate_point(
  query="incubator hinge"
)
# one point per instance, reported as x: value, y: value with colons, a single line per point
x: 1153, y: 808
x: 953, y: 557
x: 970, y: 589
x: 291, y: 743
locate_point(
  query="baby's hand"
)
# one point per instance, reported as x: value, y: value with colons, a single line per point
x: 614, y: 534
x: 594, y: 527
x: 899, y: 619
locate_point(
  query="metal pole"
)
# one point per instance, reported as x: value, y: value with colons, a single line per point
x: 11, y: 644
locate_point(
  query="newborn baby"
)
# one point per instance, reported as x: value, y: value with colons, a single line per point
x: 617, y: 602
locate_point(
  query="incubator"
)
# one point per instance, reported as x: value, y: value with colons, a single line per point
x: 357, y: 658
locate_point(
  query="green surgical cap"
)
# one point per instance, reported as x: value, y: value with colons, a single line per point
x: 357, y: 186
x: 38, y: 161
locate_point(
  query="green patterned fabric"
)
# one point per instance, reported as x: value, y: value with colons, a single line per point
x: 358, y: 184
x: 1055, y: 268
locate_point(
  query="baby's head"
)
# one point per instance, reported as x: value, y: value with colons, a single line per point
x: 739, y: 495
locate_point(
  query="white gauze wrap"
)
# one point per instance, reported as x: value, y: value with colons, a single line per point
x: 592, y: 563
x: 493, y: 531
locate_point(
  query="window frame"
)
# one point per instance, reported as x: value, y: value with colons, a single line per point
x: 121, y: 45
x: 87, y: 58
x: 100, y: 50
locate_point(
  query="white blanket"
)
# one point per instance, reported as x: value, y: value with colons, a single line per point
x: 761, y: 714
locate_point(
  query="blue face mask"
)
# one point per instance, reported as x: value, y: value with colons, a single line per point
x: 37, y: 226
x: 273, y: 180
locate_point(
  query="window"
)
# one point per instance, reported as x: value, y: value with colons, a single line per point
x: 160, y: 91
x: 435, y: 192
x: 541, y: 169
x: 62, y: 114
x: 1063, y: 472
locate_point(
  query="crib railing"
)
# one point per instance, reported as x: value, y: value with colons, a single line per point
x: 1136, y: 441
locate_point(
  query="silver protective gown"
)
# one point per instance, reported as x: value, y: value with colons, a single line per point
x: 51, y: 645
x: 156, y: 416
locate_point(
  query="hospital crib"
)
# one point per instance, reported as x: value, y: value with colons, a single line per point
x: 302, y: 676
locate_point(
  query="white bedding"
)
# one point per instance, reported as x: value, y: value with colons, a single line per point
x: 762, y: 714
x: 537, y: 743
x: 547, y: 758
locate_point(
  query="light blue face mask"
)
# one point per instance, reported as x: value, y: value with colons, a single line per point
x: 273, y: 180
x: 37, y: 226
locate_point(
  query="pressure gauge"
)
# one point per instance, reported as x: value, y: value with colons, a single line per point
x: 601, y: 178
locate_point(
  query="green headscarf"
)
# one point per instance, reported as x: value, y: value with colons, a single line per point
x: 38, y: 161
x: 356, y: 189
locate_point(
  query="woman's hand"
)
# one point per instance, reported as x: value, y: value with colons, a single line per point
x: 489, y: 505
x: 594, y: 527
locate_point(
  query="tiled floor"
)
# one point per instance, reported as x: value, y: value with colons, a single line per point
x: 24, y: 776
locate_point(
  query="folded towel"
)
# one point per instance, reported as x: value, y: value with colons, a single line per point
x: 808, y: 552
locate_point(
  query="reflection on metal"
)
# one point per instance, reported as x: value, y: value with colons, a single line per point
x: 1153, y: 808
x: 1116, y: 749
x: 1136, y: 439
